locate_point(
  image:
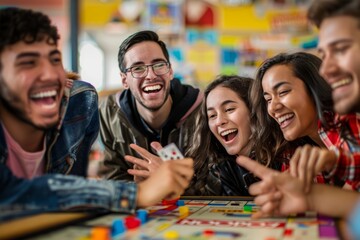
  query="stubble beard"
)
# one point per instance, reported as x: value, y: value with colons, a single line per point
x: 8, y: 100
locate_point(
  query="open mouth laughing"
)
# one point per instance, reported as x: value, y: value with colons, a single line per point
x: 284, y: 120
x: 229, y: 134
x: 45, y: 98
x: 152, y: 89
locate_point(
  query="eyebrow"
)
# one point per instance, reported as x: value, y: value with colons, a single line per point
x: 35, y: 54
x: 222, y: 104
x: 152, y: 62
x: 276, y: 87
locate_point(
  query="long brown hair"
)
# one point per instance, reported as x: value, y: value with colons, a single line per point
x: 206, y: 149
x: 266, y: 132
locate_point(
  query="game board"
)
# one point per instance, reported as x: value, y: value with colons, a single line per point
x: 207, y: 219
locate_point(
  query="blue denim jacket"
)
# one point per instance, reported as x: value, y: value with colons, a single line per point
x: 68, y: 147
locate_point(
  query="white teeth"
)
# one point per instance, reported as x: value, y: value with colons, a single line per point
x: 224, y: 133
x: 49, y: 106
x: 340, y: 83
x: 284, y: 117
x: 152, y: 88
x: 51, y: 93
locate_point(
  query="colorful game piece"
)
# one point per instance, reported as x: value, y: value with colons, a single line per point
x: 142, y: 214
x: 288, y: 232
x: 183, y: 210
x: 118, y: 227
x: 208, y: 233
x: 247, y: 208
x: 132, y: 222
x: 180, y: 203
x: 171, y: 235
x: 100, y: 233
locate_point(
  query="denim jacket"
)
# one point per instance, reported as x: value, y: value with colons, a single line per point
x: 68, y: 147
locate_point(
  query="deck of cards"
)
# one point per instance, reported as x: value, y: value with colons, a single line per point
x: 170, y: 152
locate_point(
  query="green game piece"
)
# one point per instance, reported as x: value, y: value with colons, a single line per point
x: 247, y: 208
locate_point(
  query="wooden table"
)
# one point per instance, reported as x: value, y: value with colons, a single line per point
x: 37, y: 223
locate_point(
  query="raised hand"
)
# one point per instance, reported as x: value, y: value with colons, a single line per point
x: 308, y: 161
x: 144, y: 167
x: 169, y: 181
x: 278, y: 193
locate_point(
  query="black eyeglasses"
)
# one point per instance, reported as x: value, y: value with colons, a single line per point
x: 139, y: 71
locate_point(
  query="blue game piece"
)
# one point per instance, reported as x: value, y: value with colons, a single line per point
x: 142, y: 214
x: 180, y: 203
x: 118, y: 227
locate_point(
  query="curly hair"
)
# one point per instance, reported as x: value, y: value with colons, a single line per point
x: 206, y: 149
x: 322, y: 9
x: 266, y: 132
x: 25, y: 25
x: 139, y: 37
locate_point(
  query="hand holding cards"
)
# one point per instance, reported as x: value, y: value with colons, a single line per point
x: 170, y: 152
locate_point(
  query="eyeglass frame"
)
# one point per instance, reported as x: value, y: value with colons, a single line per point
x: 168, y: 65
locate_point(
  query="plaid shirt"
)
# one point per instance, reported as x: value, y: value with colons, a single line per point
x: 343, y: 136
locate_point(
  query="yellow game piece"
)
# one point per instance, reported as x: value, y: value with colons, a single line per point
x: 183, y: 210
x: 171, y: 235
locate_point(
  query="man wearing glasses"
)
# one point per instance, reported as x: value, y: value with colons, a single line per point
x: 153, y: 107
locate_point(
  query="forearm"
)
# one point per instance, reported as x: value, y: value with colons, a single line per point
x: 59, y: 192
x: 331, y: 201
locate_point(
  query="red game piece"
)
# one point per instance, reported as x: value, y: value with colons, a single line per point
x: 208, y: 233
x: 132, y: 222
x: 288, y: 232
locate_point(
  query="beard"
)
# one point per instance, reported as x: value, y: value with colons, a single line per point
x: 8, y: 101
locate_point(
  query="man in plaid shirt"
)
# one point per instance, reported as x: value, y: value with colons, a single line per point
x: 344, y: 142
x: 283, y: 194
x: 339, y: 48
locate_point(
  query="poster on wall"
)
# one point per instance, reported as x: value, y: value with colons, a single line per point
x: 164, y: 16
x: 290, y: 22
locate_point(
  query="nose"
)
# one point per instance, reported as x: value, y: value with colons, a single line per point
x: 150, y: 74
x: 274, y: 106
x: 328, y: 67
x: 48, y: 71
x: 221, y: 120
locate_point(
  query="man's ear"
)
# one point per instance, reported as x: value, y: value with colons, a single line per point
x: 124, y: 80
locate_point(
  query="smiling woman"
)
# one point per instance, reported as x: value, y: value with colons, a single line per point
x: 223, y: 132
x: 290, y: 99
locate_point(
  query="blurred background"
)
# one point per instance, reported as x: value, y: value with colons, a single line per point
x: 205, y: 38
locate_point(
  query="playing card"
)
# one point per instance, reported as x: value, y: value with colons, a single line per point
x: 170, y: 152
